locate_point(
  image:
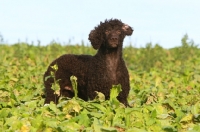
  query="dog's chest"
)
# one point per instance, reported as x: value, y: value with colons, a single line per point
x: 111, y: 66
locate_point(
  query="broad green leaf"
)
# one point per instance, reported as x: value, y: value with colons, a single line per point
x: 150, y: 121
x: 84, y: 119
x: 72, y: 105
x: 14, y: 79
x: 154, y: 114
x: 96, y: 114
x: 187, y: 118
x: 119, y: 117
x: 158, y: 81
x: 69, y: 126
x: 99, y: 107
x: 53, y: 107
x: 25, y: 128
x: 4, y: 112
x: 51, y: 123
x: 196, y: 109
x: 96, y: 125
x: 37, y: 122
x: 114, y: 92
x: 100, y: 96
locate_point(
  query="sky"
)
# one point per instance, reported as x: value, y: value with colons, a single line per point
x: 156, y: 21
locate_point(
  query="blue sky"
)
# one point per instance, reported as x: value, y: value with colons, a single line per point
x: 156, y: 21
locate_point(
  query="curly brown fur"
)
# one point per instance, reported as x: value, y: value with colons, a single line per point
x: 94, y: 73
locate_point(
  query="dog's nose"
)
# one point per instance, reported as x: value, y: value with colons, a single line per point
x: 114, y: 38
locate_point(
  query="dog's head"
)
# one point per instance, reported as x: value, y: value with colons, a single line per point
x: 110, y: 33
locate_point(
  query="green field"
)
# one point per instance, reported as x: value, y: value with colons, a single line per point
x: 164, y: 95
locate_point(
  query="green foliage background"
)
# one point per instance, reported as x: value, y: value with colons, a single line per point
x: 164, y: 95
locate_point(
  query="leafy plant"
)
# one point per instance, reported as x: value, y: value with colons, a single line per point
x: 55, y: 85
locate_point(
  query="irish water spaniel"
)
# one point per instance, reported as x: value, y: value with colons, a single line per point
x: 94, y: 73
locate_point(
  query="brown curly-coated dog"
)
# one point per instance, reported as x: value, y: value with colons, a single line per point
x: 94, y: 73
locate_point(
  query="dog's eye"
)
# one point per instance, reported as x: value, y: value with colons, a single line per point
x: 107, y: 32
x: 118, y: 32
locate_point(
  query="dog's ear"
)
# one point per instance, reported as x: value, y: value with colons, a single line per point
x: 127, y: 29
x: 95, y: 39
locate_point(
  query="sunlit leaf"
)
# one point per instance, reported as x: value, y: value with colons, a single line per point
x: 196, y: 109
x: 71, y: 105
x: 4, y: 112
x: 153, y: 114
x: 53, y: 107
x: 187, y: 118
x: 114, y: 92
x: 99, y: 107
x: 158, y: 81
x: 100, y: 96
